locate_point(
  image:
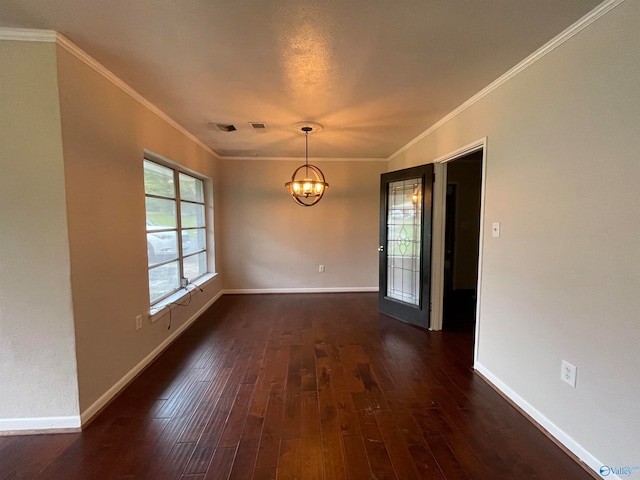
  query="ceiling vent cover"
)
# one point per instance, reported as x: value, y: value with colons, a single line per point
x: 226, y: 127
x: 259, y: 127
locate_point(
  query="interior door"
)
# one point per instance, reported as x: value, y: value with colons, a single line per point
x: 405, y: 244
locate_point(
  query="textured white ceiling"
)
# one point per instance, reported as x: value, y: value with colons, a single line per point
x: 375, y: 73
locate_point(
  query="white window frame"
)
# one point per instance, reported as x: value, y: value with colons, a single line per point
x: 183, y: 289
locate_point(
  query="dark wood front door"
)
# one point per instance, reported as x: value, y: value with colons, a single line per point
x: 405, y: 244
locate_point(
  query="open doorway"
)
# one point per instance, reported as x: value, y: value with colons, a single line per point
x: 461, y: 242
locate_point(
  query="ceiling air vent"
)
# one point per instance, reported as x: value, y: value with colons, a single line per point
x: 259, y: 127
x: 226, y: 127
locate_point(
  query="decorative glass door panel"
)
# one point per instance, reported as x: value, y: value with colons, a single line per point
x: 404, y: 231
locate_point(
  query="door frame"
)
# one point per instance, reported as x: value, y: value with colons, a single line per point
x: 437, y: 246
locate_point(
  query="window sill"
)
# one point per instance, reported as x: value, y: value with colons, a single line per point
x: 160, y: 309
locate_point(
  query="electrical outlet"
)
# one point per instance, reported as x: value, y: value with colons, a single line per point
x: 138, y: 322
x: 495, y: 229
x: 568, y: 373
x: 321, y: 268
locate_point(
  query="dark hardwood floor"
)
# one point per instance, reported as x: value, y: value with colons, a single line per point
x: 301, y: 387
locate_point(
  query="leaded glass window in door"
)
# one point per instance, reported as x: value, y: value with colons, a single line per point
x: 404, y: 228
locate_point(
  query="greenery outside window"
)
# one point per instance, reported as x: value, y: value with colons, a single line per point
x: 175, y: 206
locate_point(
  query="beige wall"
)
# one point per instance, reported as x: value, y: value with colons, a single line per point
x: 93, y: 135
x: 104, y: 133
x: 37, y: 357
x: 269, y: 242
x: 562, y: 281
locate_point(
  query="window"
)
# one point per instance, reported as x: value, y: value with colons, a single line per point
x: 175, y: 206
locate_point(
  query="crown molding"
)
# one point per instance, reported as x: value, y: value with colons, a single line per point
x: 23, y: 34
x: 27, y: 35
x: 574, y: 29
x: 311, y: 159
x: 83, y: 56
x: 51, y: 36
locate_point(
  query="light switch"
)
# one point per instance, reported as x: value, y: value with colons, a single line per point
x: 495, y: 229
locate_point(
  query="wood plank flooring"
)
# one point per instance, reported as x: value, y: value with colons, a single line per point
x: 301, y: 387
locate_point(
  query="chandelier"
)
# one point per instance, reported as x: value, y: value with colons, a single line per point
x: 307, y: 185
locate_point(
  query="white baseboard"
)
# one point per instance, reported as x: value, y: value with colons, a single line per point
x: 247, y: 291
x: 74, y: 423
x: 124, y: 381
x: 24, y: 426
x: 556, y: 432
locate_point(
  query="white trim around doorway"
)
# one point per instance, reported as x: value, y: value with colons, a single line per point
x: 437, y: 246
